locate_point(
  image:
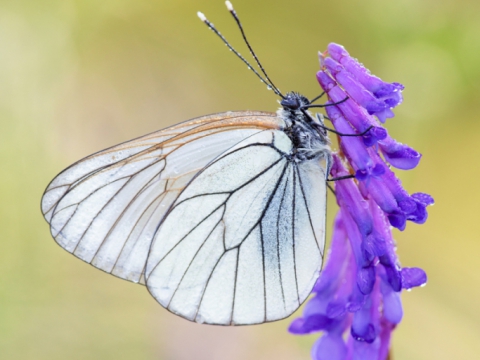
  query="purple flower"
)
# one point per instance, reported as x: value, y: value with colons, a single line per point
x: 329, y: 347
x: 399, y: 155
x: 356, y: 300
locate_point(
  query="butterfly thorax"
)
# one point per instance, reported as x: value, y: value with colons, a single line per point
x: 309, y: 139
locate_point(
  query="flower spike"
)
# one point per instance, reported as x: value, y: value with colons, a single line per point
x: 357, y: 296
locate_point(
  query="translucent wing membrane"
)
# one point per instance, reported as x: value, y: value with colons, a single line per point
x: 214, y: 214
x: 106, y: 208
x: 244, y: 242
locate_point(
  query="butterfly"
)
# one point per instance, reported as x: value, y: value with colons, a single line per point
x: 222, y: 217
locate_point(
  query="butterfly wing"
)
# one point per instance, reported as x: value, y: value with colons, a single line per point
x: 106, y: 208
x: 244, y: 242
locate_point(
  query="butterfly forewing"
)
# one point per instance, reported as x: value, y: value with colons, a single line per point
x: 216, y: 215
x: 106, y: 208
x: 243, y: 243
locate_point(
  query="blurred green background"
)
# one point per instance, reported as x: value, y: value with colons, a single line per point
x: 78, y: 76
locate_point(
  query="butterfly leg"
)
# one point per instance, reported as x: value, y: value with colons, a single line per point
x: 342, y: 178
x: 323, y: 105
x: 331, y: 189
x: 339, y: 133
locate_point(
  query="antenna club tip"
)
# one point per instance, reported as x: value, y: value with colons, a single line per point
x: 201, y: 16
x: 229, y: 5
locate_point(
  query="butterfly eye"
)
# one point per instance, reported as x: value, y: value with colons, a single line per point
x: 291, y: 103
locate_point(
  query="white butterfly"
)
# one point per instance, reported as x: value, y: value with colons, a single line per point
x: 222, y: 217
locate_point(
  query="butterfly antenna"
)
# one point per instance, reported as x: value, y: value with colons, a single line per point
x: 214, y: 29
x: 237, y: 19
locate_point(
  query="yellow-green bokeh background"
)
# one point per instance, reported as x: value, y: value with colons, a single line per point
x: 80, y: 75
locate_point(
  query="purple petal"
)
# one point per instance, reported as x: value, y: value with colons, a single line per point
x: 368, y: 250
x: 336, y: 309
x: 395, y: 201
x: 356, y: 115
x: 412, y: 277
x: 393, y: 183
x: 366, y: 279
x: 329, y: 280
x: 377, y: 104
x: 379, y: 132
x: 362, y: 326
x: 356, y: 300
x: 337, y: 51
x: 301, y: 326
x: 317, y: 305
x: 374, y: 244
x: 373, y: 136
x: 389, y: 259
x: 382, y: 116
x: 354, y: 147
x: 339, y: 303
x: 392, y: 305
x: 420, y: 215
x: 392, y: 89
x: 388, y: 93
x: 408, y: 205
x: 365, y: 174
x: 329, y: 347
x: 297, y: 327
x: 354, y: 89
x: 399, y: 155
x: 328, y: 84
x: 394, y: 276
x: 378, y: 170
x: 362, y: 175
x: 398, y: 220
x: 367, y: 334
x: 365, y: 351
x: 423, y: 198
x: 390, y: 180
x: 379, y: 191
x: 350, y: 198
x: 355, y: 238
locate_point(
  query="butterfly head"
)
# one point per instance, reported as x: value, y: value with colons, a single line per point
x: 294, y: 109
x: 294, y: 101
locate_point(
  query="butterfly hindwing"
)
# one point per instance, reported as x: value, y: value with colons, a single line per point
x: 242, y: 244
